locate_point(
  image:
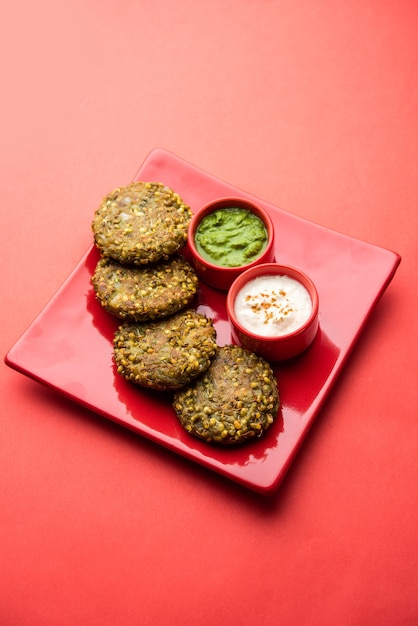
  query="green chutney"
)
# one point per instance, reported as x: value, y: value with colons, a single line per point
x: 231, y: 237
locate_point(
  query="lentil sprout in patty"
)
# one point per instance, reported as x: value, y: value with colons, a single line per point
x: 151, y: 292
x: 234, y: 401
x: 166, y: 354
x: 141, y: 223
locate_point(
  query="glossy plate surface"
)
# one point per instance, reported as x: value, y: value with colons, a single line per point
x: 69, y: 345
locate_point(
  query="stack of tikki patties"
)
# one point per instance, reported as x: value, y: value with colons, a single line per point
x: 142, y: 279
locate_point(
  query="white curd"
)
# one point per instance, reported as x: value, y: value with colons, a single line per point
x: 273, y: 305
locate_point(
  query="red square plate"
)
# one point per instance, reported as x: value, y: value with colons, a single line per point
x: 69, y: 345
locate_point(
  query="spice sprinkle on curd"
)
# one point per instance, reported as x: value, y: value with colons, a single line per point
x: 272, y: 306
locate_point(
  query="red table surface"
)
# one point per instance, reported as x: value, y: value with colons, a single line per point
x: 311, y: 106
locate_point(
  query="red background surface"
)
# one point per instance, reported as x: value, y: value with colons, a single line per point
x: 311, y: 106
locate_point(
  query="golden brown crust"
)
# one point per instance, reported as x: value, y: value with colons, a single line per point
x: 151, y: 292
x: 166, y: 354
x: 234, y: 401
x: 141, y: 223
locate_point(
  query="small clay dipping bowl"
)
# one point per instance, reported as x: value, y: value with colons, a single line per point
x: 273, y: 311
x: 231, y: 240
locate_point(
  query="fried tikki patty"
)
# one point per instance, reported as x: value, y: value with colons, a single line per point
x: 166, y: 354
x: 141, y: 223
x: 150, y: 292
x: 235, y: 400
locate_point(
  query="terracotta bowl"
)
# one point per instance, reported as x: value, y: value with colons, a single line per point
x: 277, y: 347
x: 221, y: 276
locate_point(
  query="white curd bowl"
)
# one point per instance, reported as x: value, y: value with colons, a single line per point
x: 273, y: 311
